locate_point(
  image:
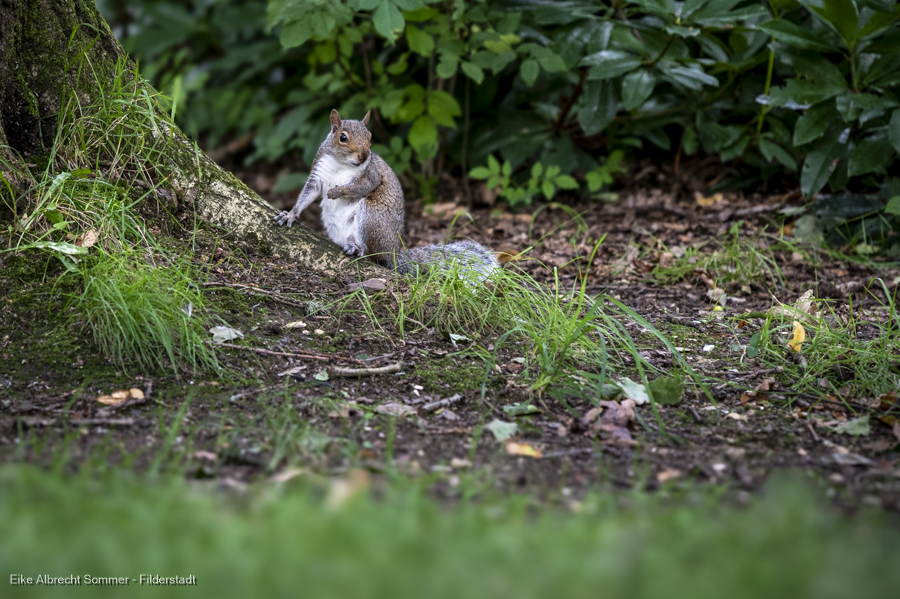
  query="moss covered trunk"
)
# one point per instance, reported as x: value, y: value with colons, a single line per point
x: 43, y: 46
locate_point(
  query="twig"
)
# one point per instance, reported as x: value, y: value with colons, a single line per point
x: 431, y: 407
x: 79, y: 421
x: 307, y: 355
x: 696, y: 416
x: 571, y: 102
x: 271, y: 294
x: 812, y: 431
x: 336, y: 371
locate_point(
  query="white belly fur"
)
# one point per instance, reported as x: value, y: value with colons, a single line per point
x: 336, y: 214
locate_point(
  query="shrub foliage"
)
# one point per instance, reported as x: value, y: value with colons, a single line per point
x: 807, y: 88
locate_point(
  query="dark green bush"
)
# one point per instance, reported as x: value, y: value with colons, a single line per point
x: 805, y: 88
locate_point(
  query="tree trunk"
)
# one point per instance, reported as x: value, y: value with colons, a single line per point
x: 41, y: 42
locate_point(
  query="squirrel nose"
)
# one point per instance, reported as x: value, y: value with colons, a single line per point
x: 363, y: 156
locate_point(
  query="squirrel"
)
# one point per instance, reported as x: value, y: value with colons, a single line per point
x: 363, y: 206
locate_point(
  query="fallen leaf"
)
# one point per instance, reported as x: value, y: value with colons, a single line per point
x: 668, y: 474
x: 591, y: 415
x: 205, y: 455
x: 736, y: 416
x: 369, y: 285
x: 286, y: 475
x: 223, y: 334
x: 634, y: 391
x: 523, y: 449
x: 460, y: 463
x: 343, y: 490
x: 856, y: 427
x: 707, y: 201
x: 502, y: 430
x: 88, y: 239
x: 297, y: 324
x: 799, y: 336
x: 136, y: 393
x: 667, y: 390
x: 395, y: 409
x: 518, y: 409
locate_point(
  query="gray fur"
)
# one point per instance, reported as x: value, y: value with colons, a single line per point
x: 365, y: 214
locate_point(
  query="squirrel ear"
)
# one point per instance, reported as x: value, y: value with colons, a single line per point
x: 365, y: 120
x: 335, y: 120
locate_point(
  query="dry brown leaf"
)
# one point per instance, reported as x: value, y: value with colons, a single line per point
x: 523, y: 449
x: 88, y: 239
x: 667, y: 474
x: 736, y: 416
x: 707, y: 201
x: 286, y: 475
x: 394, y: 409
x: 343, y: 490
x: 202, y: 454
x: 136, y: 393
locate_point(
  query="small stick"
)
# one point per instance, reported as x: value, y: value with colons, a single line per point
x: 339, y: 371
x: 696, y: 416
x: 307, y: 355
x: 435, y: 405
x: 275, y: 296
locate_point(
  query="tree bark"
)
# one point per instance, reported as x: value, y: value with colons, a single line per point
x: 42, y: 42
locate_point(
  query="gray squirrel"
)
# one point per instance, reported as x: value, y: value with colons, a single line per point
x: 362, y: 206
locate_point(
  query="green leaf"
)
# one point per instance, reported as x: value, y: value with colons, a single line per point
x: 893, y: 206
x: 536, y: 170
x: 771, y: 150
x: 480, y: 172
x: 872, y: 154
x: 598, y: 107
x: 548, y: 189
x: 419, y: 41
x: 667, y: 390
x: 858, y: 427
x: 793, y: 35
x: 608, y: 64
x: 423, y: 135
x: 493, y: 164
x: 817, y: 166
x: 296, y: 33
x: 565, y: 182
x: 388, y: 20
x: 501, y: 430
x: 63, y: 247
x: 529, y: 70
x: 894, y: 129
x: 473, y: 72
x: 689, y: 141
x: 552, y: 171
x: 690, y: 78
x: 637, y: 87
x: 507, y: 169
x: 447, y: 66
x: 842, y: 14
x: 813, y: 123
x: 443, y: 107
x: 877, y: 22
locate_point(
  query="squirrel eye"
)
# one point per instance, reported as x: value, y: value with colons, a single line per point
x: 343, y: 138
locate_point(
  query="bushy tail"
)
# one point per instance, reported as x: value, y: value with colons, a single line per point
x: 470, y: 257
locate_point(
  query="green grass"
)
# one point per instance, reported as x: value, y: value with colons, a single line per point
x: 139, y: 299
x: 284, y: 541
x: 834, y: 359
x: 569, y: 343
x: 145, y: 313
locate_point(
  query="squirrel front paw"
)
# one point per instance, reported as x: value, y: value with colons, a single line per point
x: 285, y: 217
x: 335, y: 192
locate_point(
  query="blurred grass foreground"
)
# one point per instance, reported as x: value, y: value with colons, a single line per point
x: 285, y: 540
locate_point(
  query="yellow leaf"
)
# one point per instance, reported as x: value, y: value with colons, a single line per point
x: 799, y: 336
x: 707, y: 201
x: 523, y: 449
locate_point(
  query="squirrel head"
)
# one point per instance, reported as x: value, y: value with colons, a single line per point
x: 350, y: 140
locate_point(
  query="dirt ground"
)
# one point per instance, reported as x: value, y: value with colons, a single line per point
x: 258, y: 422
